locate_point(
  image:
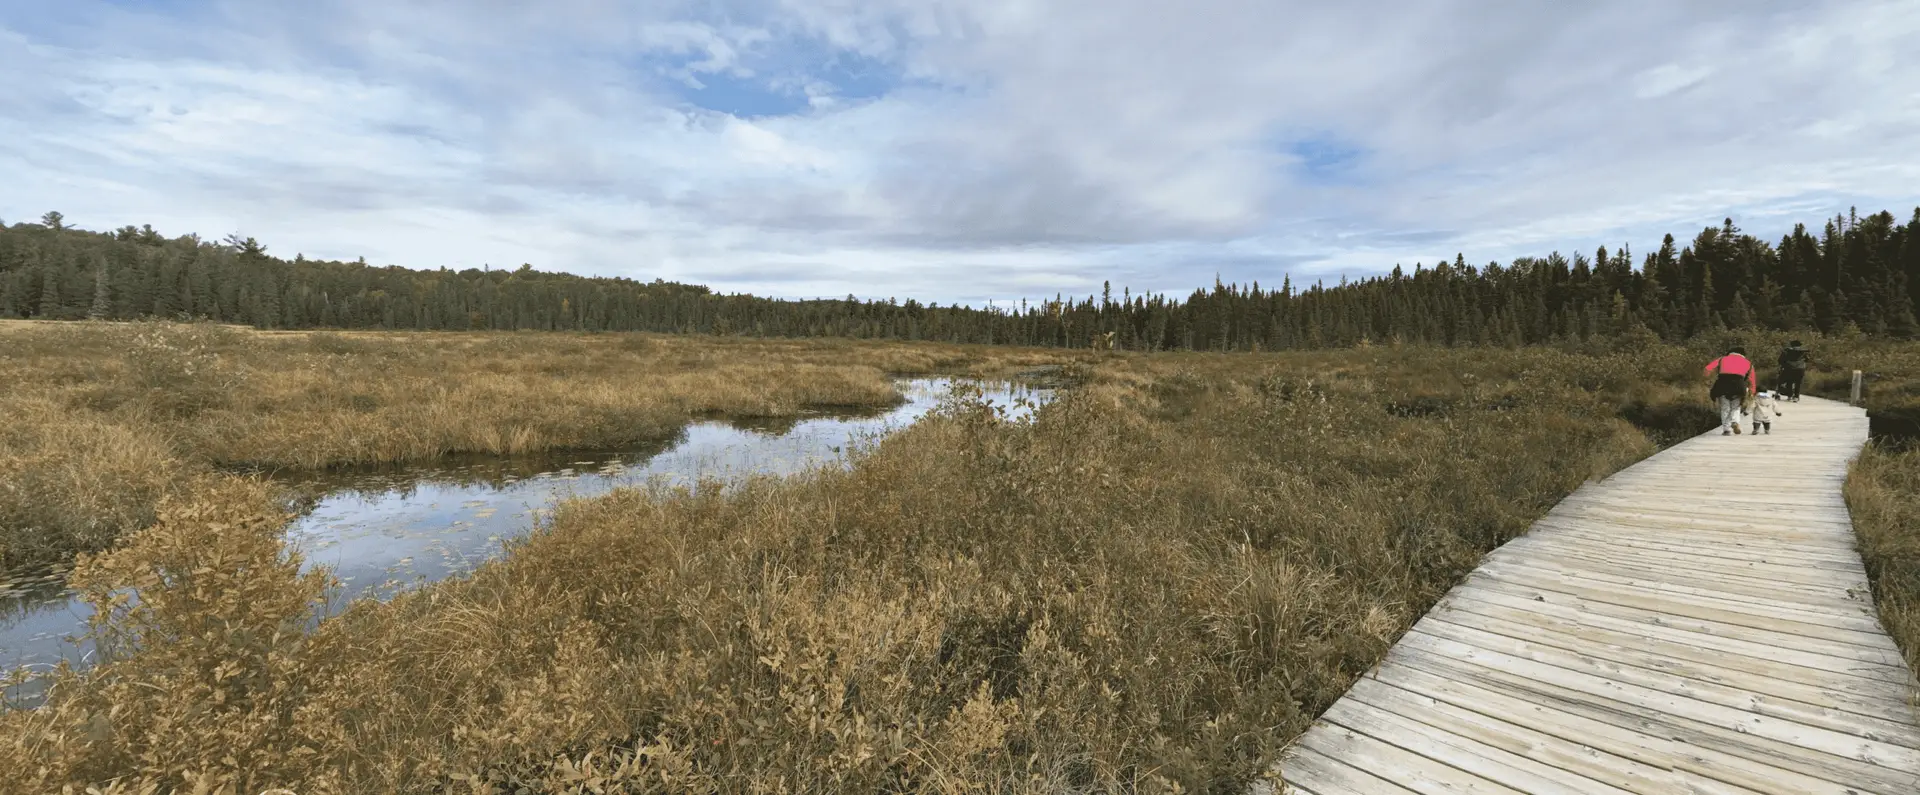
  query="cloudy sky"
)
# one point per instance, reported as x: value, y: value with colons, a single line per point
x: 959, y: 150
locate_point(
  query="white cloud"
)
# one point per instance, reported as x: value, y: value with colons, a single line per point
x: 1033, y: 147
x: 1668, y: 78
x: 755, y: 145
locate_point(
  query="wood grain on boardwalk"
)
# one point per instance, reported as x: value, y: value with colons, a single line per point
x: 1698, y: 623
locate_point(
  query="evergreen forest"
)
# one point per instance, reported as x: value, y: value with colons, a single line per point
x: 1853, y: 272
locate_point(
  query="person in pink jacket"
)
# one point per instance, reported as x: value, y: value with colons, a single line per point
x: 1733, y: 382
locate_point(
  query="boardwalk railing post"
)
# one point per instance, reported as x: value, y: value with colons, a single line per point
x: 1855, y: 398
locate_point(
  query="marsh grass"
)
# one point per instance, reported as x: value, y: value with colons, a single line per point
x: 76, y: 480
x: 1883, y: 495
x: 1149, y: 587
x: 1883, y: 490
x: 103, y: 419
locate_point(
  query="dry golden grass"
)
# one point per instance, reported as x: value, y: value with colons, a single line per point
x: 1883, y: 494
x: 1883, y: 486
x: 73, y: 480
x: 104, y: 418
x: 1151, y: 587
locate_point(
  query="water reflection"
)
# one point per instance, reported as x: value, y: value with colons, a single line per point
x: 387, y: 528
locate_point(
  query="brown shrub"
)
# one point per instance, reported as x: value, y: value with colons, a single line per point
x: 218, y: 628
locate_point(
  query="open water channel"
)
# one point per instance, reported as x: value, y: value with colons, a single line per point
x: 386, y: 529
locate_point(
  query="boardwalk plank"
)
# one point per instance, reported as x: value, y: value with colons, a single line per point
x: 1547, y: 763
x: 1757, y: 565
x: 1728, y: 611
x: 1411, y: 770
x: 1841, y: 613
x: 1865, y: 686
x: 1838, y: 649
x: 1709, y: 751
x: 1745, y: 704
x: 1310, y: 771
x: 1676, y: 628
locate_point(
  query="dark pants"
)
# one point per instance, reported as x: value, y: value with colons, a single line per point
x: 1790, y: 383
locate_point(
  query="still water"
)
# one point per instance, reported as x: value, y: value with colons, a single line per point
x: 383, y: 530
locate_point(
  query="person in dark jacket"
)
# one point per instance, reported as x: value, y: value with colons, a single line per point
x: 1793, y: 369
x: 1733, y: 382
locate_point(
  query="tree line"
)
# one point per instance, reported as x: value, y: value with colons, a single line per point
x: 1854, y: 272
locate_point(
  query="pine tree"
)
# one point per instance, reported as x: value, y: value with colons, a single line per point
x: 102, y: 294
x: 1900, y: 323
x: 1652, y: 304
x: 10, y: 295
x: 1619, y: 314
x: 49, y: 290
x: 197, y: 295
x: 1738, y: 315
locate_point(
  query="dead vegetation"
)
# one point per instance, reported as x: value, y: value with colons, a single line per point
x: 1883, y: 487
x: 105, y: 418
x: 1883, y: 494
x: 1150, y: 587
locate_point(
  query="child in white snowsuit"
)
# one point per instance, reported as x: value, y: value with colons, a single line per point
x: 1764, y: 410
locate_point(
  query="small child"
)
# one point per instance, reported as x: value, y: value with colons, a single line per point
x: 1764, y: 410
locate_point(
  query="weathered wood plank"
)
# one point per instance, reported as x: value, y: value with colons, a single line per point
x: 1842, y: 613
x: 1850, y: 683
x: 1838, y: 649
x: 1673, y: 575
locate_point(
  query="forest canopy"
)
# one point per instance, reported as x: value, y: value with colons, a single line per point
x: 1853, y: 271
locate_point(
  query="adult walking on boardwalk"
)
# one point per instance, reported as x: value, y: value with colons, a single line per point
x: 1793, y: 369
x: 1733, y: 382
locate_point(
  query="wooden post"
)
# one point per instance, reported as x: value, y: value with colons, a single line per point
x: 1855, y: 398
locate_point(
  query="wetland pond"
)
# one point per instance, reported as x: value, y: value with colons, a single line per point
x: 385, y: 529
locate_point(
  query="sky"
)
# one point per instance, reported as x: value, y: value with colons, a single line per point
x: 955, y: 151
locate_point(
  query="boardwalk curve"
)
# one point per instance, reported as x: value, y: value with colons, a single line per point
x: 1698, y: 623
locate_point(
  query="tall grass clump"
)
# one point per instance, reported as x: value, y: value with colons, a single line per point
x: 1883, y: 495
x: 1151, y: 586
x: 178, y: 368
x: 1883, y: 484
x: 75, y: 482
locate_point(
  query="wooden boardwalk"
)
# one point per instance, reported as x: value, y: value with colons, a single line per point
x: 1697, y: 623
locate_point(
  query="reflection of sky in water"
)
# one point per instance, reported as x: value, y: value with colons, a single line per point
x: 381, y: 530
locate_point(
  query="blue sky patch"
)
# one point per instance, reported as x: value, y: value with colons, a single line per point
x: 1325, y: 158
x: 779, y: 80
x: 745, y: 97
x: 857, y: 77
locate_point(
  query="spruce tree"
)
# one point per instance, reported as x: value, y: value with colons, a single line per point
x: 102, y: 294
x: 49, y: 307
